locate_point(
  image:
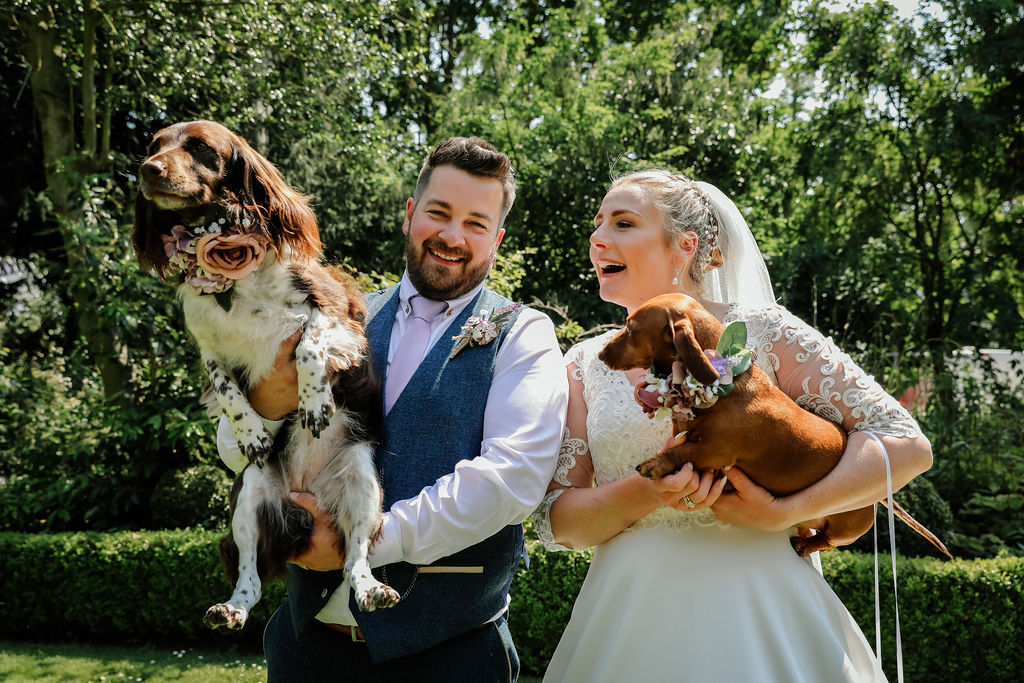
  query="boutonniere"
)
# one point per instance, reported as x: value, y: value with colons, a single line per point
x: 483, y: 329
x: 214, y: 255
x: 677, y: 395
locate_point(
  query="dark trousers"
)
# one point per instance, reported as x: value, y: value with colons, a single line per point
x: 483, y: 655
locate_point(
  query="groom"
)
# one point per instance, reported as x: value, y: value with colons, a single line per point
x: 468, y: 448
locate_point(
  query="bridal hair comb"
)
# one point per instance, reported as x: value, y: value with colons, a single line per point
x: 708, y: 231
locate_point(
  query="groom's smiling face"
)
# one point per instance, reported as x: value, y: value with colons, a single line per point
x: 452, y: 233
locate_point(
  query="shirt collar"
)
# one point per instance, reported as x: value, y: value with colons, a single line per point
x: 406, y: 290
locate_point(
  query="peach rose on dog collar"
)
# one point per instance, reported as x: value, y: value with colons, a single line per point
x: 231, y: 255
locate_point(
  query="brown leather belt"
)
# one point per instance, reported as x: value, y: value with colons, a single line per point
x: 354, y: 631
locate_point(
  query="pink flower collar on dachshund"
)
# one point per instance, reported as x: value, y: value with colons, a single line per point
x: 213, y: 255
x: 677, y: 395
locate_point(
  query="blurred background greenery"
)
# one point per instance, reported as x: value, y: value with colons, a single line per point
x: 876, y: 155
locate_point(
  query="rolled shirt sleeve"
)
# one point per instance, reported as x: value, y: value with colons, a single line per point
x: 523, y: 424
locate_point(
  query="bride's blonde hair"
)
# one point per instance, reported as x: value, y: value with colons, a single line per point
x: 685, y: 208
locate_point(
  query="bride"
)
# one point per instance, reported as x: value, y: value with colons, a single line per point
x: 688, y: 582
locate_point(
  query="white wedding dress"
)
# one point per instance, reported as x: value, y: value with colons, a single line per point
x: 680, y: 596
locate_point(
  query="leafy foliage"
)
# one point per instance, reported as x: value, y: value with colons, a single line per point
x: 125, y: 586
x: 901, y: 168
x: 979, y: 454
x: 963, y: 609
x: 77, y: 454
x: 195, y: 496
x: 923, y: 502
x: 876, y: 158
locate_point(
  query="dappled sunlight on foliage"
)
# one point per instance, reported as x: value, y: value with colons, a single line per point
x: 876, y: 159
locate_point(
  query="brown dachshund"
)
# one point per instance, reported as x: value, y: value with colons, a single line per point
x: 756, y: 427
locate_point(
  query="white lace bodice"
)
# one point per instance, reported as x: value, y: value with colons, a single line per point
x: 619, y: 433
x: 806, y: 365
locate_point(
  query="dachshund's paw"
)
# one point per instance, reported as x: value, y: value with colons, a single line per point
x: 805, y: 545
x: 657, y: 467
x: 376, y: 597
x: 225, y: 618
x: 255, y: 446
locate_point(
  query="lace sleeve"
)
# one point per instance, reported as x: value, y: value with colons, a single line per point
x: 567, y: 454
x: 574, y: 467
x: 574, y: 361
x: 821, y: 378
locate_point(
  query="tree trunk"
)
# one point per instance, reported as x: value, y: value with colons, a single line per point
x: 55, y: 112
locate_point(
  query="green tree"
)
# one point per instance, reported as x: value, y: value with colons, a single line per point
x: 91, y: 424
x: 904, y: 176
x: 576, y: 99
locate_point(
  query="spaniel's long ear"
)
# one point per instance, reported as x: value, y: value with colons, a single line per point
x: 357, y: 310
x: 149, y: 248
x: 285, y: 213
x: 689, y: 350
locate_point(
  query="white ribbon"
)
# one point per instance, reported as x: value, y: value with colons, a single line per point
x: 892, y: 550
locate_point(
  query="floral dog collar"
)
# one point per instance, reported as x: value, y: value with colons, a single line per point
x: 214, y: 255
x: 678, y: 394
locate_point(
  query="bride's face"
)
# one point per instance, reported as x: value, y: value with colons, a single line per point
x: 633, y: 256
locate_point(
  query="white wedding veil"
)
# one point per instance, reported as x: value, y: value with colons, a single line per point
x: 743, y: 277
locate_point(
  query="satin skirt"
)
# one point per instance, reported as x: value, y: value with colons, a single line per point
x: 730, y: 605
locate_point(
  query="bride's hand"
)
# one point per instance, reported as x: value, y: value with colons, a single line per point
x: 751, y: 505
x: 688, y: 490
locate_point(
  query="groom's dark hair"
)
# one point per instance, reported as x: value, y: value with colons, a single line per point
x: 476, y: 157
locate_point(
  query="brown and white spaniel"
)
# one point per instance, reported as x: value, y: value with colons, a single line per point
x: 217, y: 215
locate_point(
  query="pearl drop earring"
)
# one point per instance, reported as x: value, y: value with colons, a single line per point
x: 675, y: 277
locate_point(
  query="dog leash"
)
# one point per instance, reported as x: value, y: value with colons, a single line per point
x: 892, y: 550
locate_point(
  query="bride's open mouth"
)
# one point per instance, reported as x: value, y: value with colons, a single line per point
x: 611, y: 268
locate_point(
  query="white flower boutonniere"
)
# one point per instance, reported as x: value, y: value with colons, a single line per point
x: 483, y: 329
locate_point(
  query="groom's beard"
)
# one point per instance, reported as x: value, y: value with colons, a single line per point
x: 444, y: 283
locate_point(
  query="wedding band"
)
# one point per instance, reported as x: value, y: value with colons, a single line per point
x: 689, y: 503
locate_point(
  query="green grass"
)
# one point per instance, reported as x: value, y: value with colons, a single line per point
x: 23, y: 662
x: 53, y: 663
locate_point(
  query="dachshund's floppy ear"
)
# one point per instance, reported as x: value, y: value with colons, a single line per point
x: 149, y: 248
x: 689, y: 350
x: 285, y: 214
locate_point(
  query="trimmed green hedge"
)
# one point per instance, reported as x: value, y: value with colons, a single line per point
x: 134, y: 587
x: 961, y: 619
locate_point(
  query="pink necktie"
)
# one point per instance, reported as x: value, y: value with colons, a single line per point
x: 411, y: 347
